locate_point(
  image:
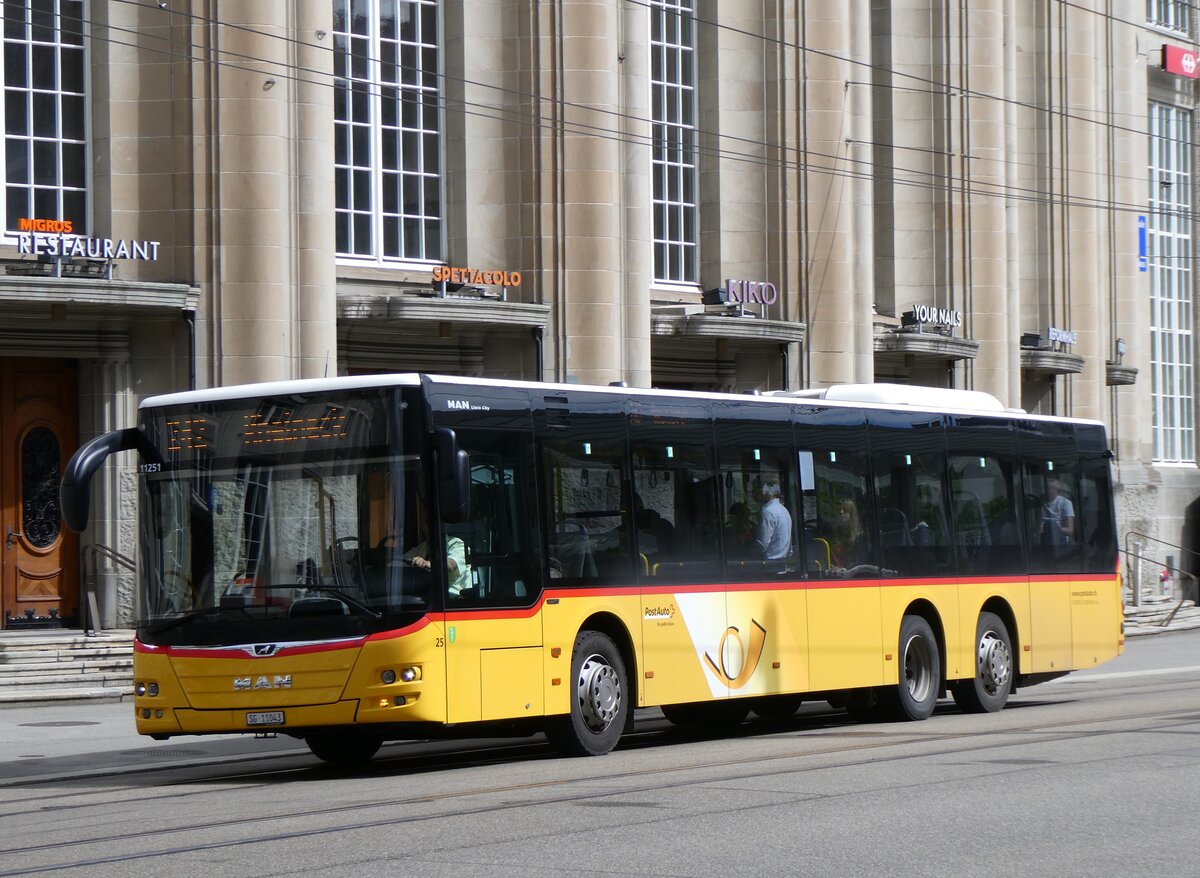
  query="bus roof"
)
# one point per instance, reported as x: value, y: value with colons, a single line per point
x: 881, y: 395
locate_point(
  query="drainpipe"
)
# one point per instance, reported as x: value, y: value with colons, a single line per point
x: 539, y: 334
x: 189, y: 317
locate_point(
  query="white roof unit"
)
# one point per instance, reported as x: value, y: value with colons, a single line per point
x: 908, y: 394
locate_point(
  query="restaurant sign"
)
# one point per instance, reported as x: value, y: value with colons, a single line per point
x: 56, y: 239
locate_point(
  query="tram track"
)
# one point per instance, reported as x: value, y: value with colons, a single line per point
x: 873, y: 745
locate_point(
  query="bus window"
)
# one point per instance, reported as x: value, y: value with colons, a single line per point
x: 1051, y: 489
x: 1096, y: 524
x: 588, y: 538
x: 759, y: 499
x: 837, y: 523
x: 674, y: 509
x: 909, y: 463
x: 987, y: 538
x: 501, y: 537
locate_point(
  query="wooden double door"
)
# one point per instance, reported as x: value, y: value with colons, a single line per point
x: 39, y: 574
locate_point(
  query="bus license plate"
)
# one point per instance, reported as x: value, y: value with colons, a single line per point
x: 266, y: 718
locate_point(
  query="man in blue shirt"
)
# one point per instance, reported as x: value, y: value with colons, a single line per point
x: 774, y: 523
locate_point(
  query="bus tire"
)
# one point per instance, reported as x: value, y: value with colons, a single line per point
x: 777, y: 708
x: 344, y: 747
x: 713, y: 714
x: 916, y: 693
x: 988, y: 691
x: 599, y: 699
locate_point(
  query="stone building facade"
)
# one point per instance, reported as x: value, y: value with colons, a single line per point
x: 993, y: 195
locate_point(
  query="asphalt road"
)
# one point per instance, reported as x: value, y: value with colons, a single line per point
x: 1098, y: 774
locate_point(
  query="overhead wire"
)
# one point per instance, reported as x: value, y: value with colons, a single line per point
x: 860, y: 168
x: 485, y: 110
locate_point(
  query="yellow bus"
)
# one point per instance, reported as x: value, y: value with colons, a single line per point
x: 353, y: 560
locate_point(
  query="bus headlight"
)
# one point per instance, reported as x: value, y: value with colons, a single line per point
x: 408, y: 675
x: 139, y: 689
x: 389, y: 677
x: 152, y: 690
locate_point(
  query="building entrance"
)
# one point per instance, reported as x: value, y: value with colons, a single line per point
x: 39, y: 575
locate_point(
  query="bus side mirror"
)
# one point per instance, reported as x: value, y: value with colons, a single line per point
x: 75, y: 489
x: 454, y: 477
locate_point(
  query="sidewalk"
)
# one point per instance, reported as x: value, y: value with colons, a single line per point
x: 1160, y: 616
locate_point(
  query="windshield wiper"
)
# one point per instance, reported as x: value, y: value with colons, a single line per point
x: 168, y: 624
x: 339, y: 593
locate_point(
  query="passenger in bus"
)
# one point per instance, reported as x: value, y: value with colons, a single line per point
x: 656, y: 535
x: 1058, y: 515
x: 774, y: 534
x: 846, y: 543
x: 849, y: 546
x: 458, y: 573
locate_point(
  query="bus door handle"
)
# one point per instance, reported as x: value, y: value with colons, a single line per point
x: 12, y: 533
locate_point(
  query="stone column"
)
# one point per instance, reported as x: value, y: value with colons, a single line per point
x: 837, y: 200
x: 636, y: 249
x: 268, y: 174
x: 107, y: 402
x: 594, y: 321
x: 313, y: 192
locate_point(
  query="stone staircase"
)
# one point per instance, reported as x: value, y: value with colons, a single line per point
x: 57, y: 666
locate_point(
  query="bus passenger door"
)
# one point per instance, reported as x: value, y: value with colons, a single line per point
x: 1049, y: 472
x: 493, y: 632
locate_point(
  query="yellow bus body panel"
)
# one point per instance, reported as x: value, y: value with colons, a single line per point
x: 973, y: 595
x: 1097, y: 618
x: 845, y: 634
x: 472, y: 644
x: 683, y: 643
x: 1051, y: 630
x: 564, y: 614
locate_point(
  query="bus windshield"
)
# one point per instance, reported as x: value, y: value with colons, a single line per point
x: 281, y: 519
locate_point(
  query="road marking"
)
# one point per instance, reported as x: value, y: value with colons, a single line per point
x: 1155, y: 672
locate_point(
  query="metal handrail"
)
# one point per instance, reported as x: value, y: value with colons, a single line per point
x: 93, y: 553
x: 1142, y: 536
x: 1136, y: 578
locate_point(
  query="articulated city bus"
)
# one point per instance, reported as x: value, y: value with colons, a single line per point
x: 353, y: 560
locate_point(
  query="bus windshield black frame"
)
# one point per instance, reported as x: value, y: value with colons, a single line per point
x: 283, y: 518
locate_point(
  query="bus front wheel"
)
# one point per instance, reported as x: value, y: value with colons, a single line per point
x: 599, y: 699
x: 916, y: 694
x: 344, y: 747
x: 988, y: 690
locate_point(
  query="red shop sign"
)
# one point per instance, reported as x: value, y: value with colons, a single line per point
x: 1180, y: 61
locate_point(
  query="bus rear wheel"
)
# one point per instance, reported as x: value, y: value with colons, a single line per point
x: 599, y: 699
x: 988, y: 690
x: 915, y: 695
x: 344, y: 747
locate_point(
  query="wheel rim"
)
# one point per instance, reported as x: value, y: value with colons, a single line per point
x: 995, y: 663
x: 918, y: 668
x: 599, y: 693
